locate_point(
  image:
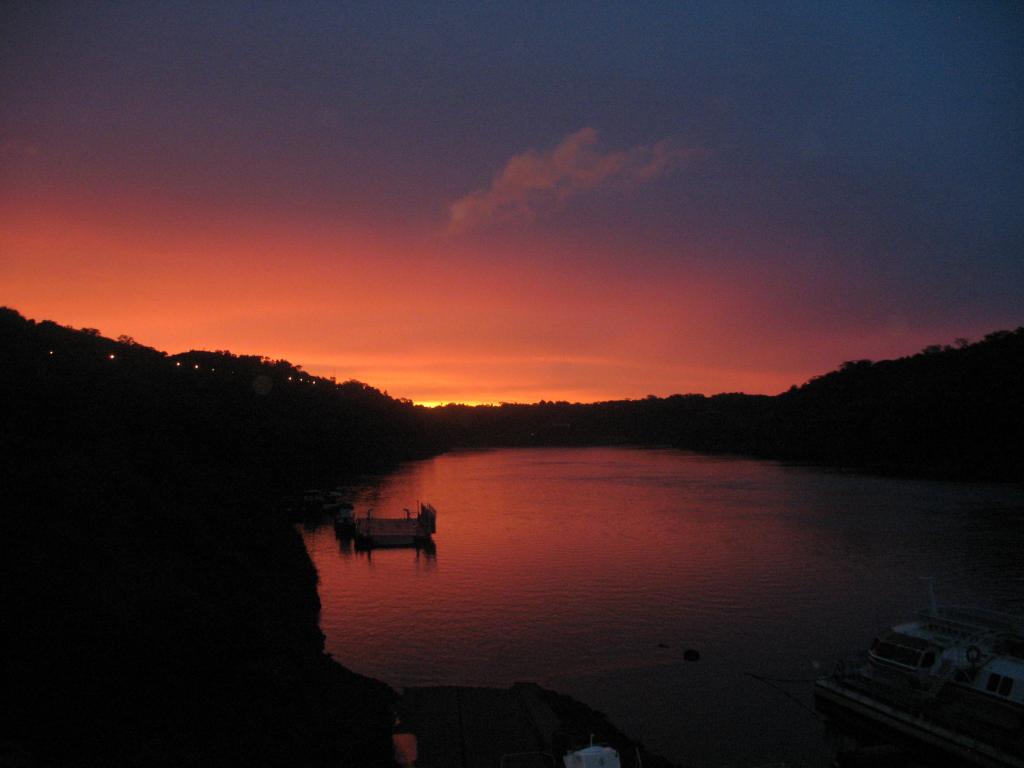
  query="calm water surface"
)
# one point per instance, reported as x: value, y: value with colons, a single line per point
x: 592, y: 570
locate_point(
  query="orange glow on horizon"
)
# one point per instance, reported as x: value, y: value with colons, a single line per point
x: 432, y: 320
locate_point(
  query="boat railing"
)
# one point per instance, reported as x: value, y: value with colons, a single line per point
x: 963, y: 622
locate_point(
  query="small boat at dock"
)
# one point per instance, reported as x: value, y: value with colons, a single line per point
x: 316, y: 501
x: 372, y: 531
x: 344, y: 520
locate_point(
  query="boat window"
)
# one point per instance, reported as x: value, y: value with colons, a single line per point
x: 928, y: 659
x: 993, y: 682
x: 1006, y: 686
x: 898, y: 653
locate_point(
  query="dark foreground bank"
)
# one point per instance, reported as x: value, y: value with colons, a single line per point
x: 149, y: 631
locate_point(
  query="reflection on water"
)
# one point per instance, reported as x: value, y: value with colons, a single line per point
x: 347, y: 547
x: 592, y: 570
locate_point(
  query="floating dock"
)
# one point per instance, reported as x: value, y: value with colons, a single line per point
x: 409, y: 531
x: 519, y: 727
x: 457, y: 727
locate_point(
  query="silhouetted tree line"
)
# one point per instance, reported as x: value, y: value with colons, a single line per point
x: 950, y: 412
x: 947, y: 412
x: 96, y: 405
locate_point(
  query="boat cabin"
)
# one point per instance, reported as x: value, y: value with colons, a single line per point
x: 978, y: 667
x: 905, y: 651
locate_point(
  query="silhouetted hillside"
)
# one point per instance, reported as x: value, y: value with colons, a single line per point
x: 947, y: 412
x: 158, y: 608
x: 950, y: 412
x: 955, y: 412
x: 94, y: 404
x: 721, y: 422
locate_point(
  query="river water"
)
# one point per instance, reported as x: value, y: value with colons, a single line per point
x: 592, y: 570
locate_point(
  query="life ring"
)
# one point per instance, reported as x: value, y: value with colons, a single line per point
x: 973, y: 655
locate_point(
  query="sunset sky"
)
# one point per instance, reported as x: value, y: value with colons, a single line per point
x: 485, y: 202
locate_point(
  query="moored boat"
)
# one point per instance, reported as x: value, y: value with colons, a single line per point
x: 950, y: 683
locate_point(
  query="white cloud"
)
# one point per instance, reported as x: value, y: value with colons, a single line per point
x: 534, y: 181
